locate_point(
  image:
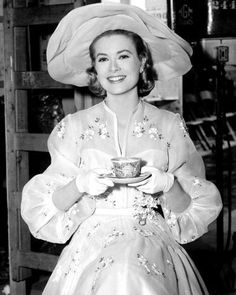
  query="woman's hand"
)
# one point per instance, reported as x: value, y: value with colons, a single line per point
x: 92, y: 183
x: 159, y: 181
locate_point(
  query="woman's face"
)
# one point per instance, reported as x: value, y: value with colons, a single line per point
x: 117, y: 64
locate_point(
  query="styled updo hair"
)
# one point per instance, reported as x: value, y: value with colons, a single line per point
x: 146, y: 79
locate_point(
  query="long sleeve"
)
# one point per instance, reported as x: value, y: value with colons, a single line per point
x: 188, y: 168
x: 45, y: 221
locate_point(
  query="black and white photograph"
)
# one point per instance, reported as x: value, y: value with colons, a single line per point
x: 118, y: 147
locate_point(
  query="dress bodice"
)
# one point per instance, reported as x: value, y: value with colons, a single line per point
x: 88, y: 139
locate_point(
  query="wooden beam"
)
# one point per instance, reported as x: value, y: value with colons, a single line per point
x: 43, y: 15
x: 11, y: 181
x: 36, y: 80
x: 30, y: 142
x: 37, y: 260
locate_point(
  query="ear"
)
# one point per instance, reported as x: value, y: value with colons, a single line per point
x: 142, y: 66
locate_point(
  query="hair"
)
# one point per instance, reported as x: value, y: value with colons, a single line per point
x: 146, y: 79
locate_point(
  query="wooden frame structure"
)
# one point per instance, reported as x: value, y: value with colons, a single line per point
x: 19, y: 80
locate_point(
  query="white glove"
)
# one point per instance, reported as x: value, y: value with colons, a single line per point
x: 159, y: 181
x: 92, y: 183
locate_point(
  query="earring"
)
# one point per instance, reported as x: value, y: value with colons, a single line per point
x: 141, y: 70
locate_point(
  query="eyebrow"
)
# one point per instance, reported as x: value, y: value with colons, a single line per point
x: 118, y: 52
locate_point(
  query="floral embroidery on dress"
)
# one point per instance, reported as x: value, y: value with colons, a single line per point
x: 73, y: 267
x: 94, y: 229
x: 74, y: 264
x: 97, y: 128
x: 192, y: 238
x: 61, y: 129
x: 50, y: 189
x: 171, y: 218
x: 143, y: 206
x: 111, y: 199
x: 103, y: 263
x: 169, y: 262
x: 112, y: 237
x: 66, y: 177
x: 50, y: 185
x: 197, y: 182
x: 140, y: 128
x: 144, y: 232
x: 88, y: 133
x: 73, y: 210
x: 154, y: 133
x: 183, y: 126
x: 197, y: 185
x: 151, y: 269
x: 69, y: 223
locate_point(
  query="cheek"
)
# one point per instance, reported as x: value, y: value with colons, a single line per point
x: 101, y: 70
x: 135, y: 71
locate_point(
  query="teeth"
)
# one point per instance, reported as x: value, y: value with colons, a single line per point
x: 115, y: 79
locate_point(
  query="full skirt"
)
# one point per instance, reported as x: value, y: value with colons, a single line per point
x: 115, y: 254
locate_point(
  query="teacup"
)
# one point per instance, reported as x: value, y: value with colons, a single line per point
x: 125, y: 167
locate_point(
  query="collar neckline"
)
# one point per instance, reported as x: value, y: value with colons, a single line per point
x: 112, y: 112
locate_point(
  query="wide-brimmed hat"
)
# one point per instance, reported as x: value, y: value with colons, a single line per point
x: 68, y: 48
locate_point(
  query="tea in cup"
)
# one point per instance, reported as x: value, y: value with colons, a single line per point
x: 125, y: 167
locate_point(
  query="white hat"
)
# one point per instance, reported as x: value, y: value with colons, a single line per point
x: 68, y: 48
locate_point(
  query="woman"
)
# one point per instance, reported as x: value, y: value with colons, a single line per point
x: 121, y: 244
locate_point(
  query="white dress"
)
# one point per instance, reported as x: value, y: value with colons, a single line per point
x: 121, y: 244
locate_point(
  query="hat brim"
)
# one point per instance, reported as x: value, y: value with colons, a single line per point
x: 68, y: 48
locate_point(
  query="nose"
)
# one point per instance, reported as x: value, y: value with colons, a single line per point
x: 114, y: 66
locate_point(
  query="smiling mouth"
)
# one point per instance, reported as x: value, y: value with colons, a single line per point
x: 116, y: 79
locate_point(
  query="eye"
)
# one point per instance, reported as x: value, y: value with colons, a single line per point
x: 102, y: 59
x: 123, y: 56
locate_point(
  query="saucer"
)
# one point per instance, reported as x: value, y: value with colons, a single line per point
x: 127, y: 180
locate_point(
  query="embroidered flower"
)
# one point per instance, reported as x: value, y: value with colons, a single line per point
x: 66, y: 177
x: 197, y: 182
x: 141, y: 128
x: 73, y: 210
x: 183, y: 126
x: 154, y: 133
x: 169, y: 262
x: 74, y: 263
x: 102, y: 131
x: 50, y: 187
x: 144, y: 232
x: 94, y: 229
x: 156, y: 271
x: 171, y: 218
x: 151, y: 269
x: 143, y: 206
x: 103, y: 263
x: 88, y: 133
x: 97, y: 128
x: 110, y: 238
x: 69, y: 223
x: 61, y: 128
